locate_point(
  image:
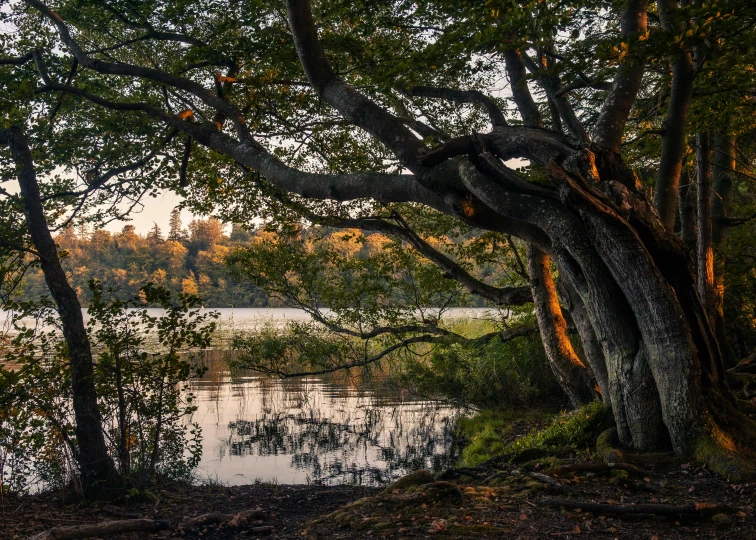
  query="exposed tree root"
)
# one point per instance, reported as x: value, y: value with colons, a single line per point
x: 597, y: 468
x: 106, y: 528
x: 453, y: 473
x: 701, y: 510
x: 233, y: 520
x: 747, y: 365
x: 549, y: 481
x: 110, y: 528
x: 117, y: 512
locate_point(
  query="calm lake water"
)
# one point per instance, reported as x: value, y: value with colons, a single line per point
x: 316, y: 430
x: 320, y: 429
x: 252, y: 318
x: 325, y: 430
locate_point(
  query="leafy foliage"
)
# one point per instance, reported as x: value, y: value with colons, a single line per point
x: 143, y: 364
x: 369, y: 296
x: 494, y: 375
x: 36, y: 446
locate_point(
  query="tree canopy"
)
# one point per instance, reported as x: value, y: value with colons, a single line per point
x: 614, y: 139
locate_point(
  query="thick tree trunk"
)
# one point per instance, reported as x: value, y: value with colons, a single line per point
x: 92, y: 456
x: 667, y: 340
x: 634, y: 398
x: 648, y: 267
x: 675, y: 120
x: 594, y: 355
x: 651, y: 268
x: 723, y: 169
x: 704, y: 243
x: 687, y: 204
x: 631, y: 390
x: 567, y: 367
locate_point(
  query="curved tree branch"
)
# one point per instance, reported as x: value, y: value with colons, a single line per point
x: 507, y: 335
x: 606, y: 86
x: 675, y: 121
x: 17, y: 61
x: 460, y: 96
x: 365, y: 361
x: 535, y: 144
x: 611, y: 122
x: 354, y: 106
x: 339, y: 187
x: 502, y: 296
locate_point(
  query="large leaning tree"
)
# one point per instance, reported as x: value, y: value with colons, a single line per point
x: 604, y: 135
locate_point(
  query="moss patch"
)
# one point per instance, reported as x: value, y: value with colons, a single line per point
x: 714, y: 452
x: 490, y: 435
x: 577, y: 429
x: 413, y: 479
x: 606, y: 447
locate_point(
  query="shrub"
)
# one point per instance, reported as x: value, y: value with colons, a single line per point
x: 492, y: 375
x: 142, y: 365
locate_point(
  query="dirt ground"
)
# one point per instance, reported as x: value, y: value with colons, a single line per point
x: 287, y: 508
x: 510, y: 501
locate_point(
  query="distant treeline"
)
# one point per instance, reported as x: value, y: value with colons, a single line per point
x: 189, y: 260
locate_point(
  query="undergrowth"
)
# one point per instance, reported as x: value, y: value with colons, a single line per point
x: 493, y: 375
x: 490, y: 433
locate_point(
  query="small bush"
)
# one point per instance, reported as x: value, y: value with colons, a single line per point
x: 142, y: 365
x: 36, y: 433
x: 491, y: 375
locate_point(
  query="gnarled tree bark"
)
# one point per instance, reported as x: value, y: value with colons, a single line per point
x: 571, y: 373
x: 664, y: 371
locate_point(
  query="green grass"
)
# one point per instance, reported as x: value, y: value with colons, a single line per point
x: 489, y: 432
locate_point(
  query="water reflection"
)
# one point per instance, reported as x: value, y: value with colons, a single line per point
x: 316, y: 429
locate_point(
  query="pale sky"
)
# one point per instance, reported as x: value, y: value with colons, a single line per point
x: 156, y: 210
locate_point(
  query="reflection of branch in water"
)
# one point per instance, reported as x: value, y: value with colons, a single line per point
x: 371, y: 448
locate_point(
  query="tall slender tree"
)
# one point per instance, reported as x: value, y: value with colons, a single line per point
x: 176, y: 231
x: 94, y: 463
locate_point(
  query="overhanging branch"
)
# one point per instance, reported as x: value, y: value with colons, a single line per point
x: 509, y: 296
x: 357, y: 108
x: 460, y: 96
x: 340, y: 187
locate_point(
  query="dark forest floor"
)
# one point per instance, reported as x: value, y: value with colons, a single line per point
x: 508, y: 503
